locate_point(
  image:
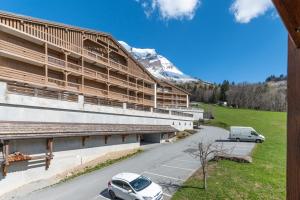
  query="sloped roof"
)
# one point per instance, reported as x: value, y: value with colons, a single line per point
x: 22, y: 130
x: 173, y: 85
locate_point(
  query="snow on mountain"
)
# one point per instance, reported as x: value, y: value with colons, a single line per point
x: 157, y: 65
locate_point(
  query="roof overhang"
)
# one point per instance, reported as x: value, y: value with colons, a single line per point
x: 289, y: 10
x: 32, y: 130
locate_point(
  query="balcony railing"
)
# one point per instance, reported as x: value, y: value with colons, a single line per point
x: 95, y: 91
x: 20, y: 51
x: 42, y: 35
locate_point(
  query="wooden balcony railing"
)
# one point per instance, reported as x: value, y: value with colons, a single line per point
x: 148, y: 102
x: 74, y: 67
x: 57, y: 83
x: 16, y: 75
x: 149, y: 90
x: 118, y: 81
x: 94, y: 74
x: 42, y: 35
x: 20, y: 51
x: 118, y: 96
x: 56, y: 62
x: 95, y: 91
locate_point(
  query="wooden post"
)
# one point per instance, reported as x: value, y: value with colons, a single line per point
x: 293, y: 137
x: 49, y: 154
x: 5, y: 154
x: 46, y: 62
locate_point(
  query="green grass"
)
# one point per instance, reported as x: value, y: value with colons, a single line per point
x: 262, y: 179
x: 87, y: 170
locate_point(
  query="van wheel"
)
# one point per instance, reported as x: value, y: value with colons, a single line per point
x: 112, y: 194
x: 258, y: 141
x: 237, y: 139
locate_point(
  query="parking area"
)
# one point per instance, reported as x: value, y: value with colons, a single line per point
x: 168, y: 164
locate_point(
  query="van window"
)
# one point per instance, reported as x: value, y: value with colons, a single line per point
x: 254, y: 133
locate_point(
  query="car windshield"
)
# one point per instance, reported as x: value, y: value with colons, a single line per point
x: 140, y: 183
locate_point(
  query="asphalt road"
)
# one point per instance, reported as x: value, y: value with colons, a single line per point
x: 169, y: 165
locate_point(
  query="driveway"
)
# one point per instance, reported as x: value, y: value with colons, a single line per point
x: 166, y: 164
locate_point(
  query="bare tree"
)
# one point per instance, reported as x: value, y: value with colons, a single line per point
x: 206, y: 152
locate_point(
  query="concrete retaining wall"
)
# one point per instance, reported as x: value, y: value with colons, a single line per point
x: 14, y: 107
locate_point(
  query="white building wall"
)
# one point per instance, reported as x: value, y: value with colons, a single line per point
x: 14, y: 107
x: 68, y: 154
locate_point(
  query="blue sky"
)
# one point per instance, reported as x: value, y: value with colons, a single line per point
x: 204, y: 38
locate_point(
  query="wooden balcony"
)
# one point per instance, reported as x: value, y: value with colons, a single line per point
x: 118, y: 81
x: 148, y: 102
x: 149, y: 90
x: 57, y: 43
x: 21, y: 52
x: 95, y: 74
x: 95, y: 91
x: 16, y: 75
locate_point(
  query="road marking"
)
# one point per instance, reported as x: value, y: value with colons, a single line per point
x: 187, y: 169
x: 191, y: 161
x: 169, y: 177
x: 168, y: 195
x: 100, y: 197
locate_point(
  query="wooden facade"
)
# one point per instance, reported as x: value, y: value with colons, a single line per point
x: 170, y: 96
x: 289, y: 10
x: 70, y: 60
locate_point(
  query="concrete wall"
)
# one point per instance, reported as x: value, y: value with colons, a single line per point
x: 68, y: 153
x: 14, y: 107
x: 197, y: 113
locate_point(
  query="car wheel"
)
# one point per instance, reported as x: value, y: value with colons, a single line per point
x: 237, y: 139
x: 112, y: 194
x: 258, y: 141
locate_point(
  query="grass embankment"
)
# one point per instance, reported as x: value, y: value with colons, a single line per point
x: 262, y: 179
x: 98, y: 166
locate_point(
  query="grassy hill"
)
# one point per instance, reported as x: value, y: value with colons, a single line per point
x: 262, y: 179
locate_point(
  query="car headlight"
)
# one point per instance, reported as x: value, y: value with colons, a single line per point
x: 147, y: 198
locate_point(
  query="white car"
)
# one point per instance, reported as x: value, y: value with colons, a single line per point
x: 130, y: 186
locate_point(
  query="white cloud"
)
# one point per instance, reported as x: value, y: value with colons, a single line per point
x: 246, y: 10
x: 171, y: 9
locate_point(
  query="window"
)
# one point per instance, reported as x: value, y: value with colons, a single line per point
x: 254, y: 133
x: 126, y: 186
x: 118, y: 183
x: 140, y: 183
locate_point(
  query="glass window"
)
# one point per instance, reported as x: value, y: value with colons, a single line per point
x: 118, y: 183
x: 140, y: 183
x: 254, y: 133
x: 126, y: 187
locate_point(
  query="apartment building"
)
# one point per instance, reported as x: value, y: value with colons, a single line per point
x: 171, y: 96
x: 59, y: 61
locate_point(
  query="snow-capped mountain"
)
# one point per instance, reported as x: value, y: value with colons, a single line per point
x: 157, y: 65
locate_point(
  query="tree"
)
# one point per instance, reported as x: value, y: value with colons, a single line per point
x: 206, y: 152
x: 224, y: 89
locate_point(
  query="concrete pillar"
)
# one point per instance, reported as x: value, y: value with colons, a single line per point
x: 187, y: 101
x: 151, y: 109
x: 124, y: 105
x: 81, y: 101
x: 155, y: 97
x: 3, y: 89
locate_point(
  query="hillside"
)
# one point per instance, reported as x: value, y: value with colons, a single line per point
x: 262, y: 179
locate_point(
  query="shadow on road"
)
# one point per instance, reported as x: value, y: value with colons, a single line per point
x: 172, y: 187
